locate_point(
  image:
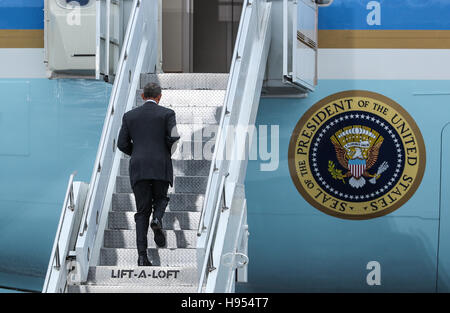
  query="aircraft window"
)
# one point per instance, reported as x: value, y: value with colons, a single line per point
x: 324, y: 3
x: 80, y: 2
x: 68, y: 3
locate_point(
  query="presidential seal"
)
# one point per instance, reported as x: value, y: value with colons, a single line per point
x: 356, y: 155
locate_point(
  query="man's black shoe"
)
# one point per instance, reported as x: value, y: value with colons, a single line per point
x: 159, y: 237
x: 143, y: 261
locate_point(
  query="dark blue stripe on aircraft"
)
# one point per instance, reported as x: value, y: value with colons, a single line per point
x: 21, y: 14
x: 342, y: 14
x: 395, y: 14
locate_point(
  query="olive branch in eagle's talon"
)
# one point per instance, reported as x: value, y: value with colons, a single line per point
x: 335, y: 173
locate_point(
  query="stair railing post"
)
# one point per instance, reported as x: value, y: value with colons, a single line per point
x: 57, y: 258
x: 211, y: 261
x: 71, y: 199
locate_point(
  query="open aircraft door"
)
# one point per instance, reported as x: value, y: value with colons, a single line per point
x: 300, y: 43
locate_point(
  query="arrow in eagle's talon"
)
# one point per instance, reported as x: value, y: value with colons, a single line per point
x: 383, y: 167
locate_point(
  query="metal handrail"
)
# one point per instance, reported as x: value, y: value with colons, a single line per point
x: 214, y: 168
x: 108, y: 122
x: 69, y: 203
x: 136, y: 57
x: 209, y: 251
x: 251, y: 49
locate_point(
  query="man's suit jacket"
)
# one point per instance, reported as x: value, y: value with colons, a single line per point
x: 147, y: 135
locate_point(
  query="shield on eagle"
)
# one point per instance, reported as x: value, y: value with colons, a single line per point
x: 357, y: 167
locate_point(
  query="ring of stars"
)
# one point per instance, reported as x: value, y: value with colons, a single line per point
x: 364, y: 197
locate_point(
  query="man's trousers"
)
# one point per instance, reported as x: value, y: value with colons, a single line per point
x: 151, y: 196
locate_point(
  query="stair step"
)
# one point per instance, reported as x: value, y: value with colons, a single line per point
x: 158, y: 257
x: 204, y: 134
x: 127, y: 239
x: 180, y: 167
x: 125, y: 202
x: 143, y: 276
x: 190, y: 150
x: 191, y: 167
x: 191, y: 184
x: 191, y: 115
x: 201, y: 148
x: 182, y: 184
x: 194, y: 150
x: 132, y: 289
x: 190, y: 98
x: 171, y: 220
x: 199, y: 115
x: 187, y: 80
x: 198, y: 132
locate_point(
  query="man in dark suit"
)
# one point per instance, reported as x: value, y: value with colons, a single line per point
x: 147, y: 135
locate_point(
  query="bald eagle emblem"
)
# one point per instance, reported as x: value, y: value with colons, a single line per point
x: 357, y: 149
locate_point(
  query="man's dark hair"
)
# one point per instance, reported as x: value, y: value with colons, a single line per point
x: 152, y: 90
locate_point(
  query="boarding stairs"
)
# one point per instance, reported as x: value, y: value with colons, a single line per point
x: 206, y: 220
x: 197, y: 100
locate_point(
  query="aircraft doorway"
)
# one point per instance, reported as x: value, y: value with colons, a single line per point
x: 198, y: 36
